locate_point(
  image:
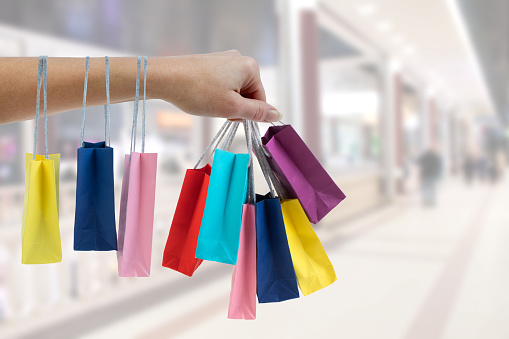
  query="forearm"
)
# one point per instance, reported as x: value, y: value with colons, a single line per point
x: 18, y: 84
x: 223, y: 84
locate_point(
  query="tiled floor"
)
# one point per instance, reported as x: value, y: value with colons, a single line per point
x: 404, y: 271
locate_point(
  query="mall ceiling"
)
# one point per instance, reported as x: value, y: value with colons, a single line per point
x: 488, y: 25
x: 170, y: 27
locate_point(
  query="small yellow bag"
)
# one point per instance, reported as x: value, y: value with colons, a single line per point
x: 40, y: 235
x: 312, y: 265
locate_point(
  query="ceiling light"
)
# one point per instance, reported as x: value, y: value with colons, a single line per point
x: 366, y: 10
x: 384, y: 26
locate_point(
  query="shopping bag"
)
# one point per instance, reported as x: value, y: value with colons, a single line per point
x: 300, y: 173
x: 137, y: 201
x: 180, y: 249
x: 276, y: 280
x: 243, y: 291
x: 219, y: 235
x: 312, y: 266
x: 220, y: 227
x: 40, y: 233
x: 94, y: 225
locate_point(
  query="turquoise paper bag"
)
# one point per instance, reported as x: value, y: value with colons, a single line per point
x: 220, y: 227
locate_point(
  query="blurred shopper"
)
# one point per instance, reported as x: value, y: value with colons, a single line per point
x: 482, y: 168
x: 430, y: 165
x: 469, y: 168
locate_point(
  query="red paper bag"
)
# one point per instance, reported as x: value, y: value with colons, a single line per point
x: 179, y: 253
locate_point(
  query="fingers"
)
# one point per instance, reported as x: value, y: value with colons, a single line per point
x: 256, y: 110
x: 252, y: 87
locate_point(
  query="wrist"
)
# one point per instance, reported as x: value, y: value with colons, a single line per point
x: 162, y: 78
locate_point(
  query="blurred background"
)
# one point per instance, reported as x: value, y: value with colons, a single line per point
x: 405, y: 103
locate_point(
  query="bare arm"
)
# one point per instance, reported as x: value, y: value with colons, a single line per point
x: 222, y: 84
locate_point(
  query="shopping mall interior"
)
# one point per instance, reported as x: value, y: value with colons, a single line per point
x: 372, y: 87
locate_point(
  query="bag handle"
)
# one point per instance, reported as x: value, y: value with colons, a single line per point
x: 258, y: 138
x: 145, y: 62
x: 42, y: 70
x: 136, y: 105
x: 251, y: 196
x: 264, y: 164
x: 220, y: 134
x: 229, y: 127
x: 262, y: 161
x: 227, y: 144
x: 107, y: 120
x: 107, y: 126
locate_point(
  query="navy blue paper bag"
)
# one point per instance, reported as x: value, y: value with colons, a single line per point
x: 275, y: 275
x: 94, y: 225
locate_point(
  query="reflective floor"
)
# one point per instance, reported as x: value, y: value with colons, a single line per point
x: 404, y: 271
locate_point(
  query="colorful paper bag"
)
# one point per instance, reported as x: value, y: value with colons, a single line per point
x: 137, y: 201
x: 300, y: 173
x: 94, y: 225
x: 40, y: 234
x: 180, y: 249
x: 243, y: 291
x: 220, y: 227
x: 312, y: 265
x: 276, y: 280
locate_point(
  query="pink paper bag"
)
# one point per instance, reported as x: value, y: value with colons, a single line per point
x: 137, y: 215
x: 243, y: 291
x: 136, y: 220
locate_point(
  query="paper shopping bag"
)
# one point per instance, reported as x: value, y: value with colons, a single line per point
x: 276, y: 280
x: 312, y: 265
x: 302, y: 176
x: 94, y: 224
x: 40, y: 231
x: 243, y: 291
x: 220, y: 227
x: 137, y: 214
x: 180, y: 249
x: 137, y: 201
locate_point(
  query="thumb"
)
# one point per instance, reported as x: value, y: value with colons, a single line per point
x: 256, y: 110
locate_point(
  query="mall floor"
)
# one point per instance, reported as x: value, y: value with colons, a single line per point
x: 404, y: 271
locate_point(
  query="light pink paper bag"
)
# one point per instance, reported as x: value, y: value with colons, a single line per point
x: 137, y: 202
x: 243, y: 291
x: 137, y: 215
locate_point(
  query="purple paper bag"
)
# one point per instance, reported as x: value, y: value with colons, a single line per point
x: 300, y: 173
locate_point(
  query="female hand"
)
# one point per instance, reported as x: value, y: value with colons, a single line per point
x: 222, y: 84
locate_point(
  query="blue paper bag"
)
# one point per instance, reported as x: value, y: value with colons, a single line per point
x: 275, y: 276
x: 220, y: 227
x: 94, y: 225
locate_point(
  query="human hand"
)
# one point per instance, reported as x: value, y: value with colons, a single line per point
x: 224, y: 84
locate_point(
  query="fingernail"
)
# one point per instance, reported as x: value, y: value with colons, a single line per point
x: 274, y: 115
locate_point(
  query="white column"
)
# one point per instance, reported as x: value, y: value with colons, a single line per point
x: 290, y: 61
x: 426, y: 96
x: 387, y: 118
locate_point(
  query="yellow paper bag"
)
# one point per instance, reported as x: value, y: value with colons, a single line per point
x: 40, y: 234
x: 312, y: 265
